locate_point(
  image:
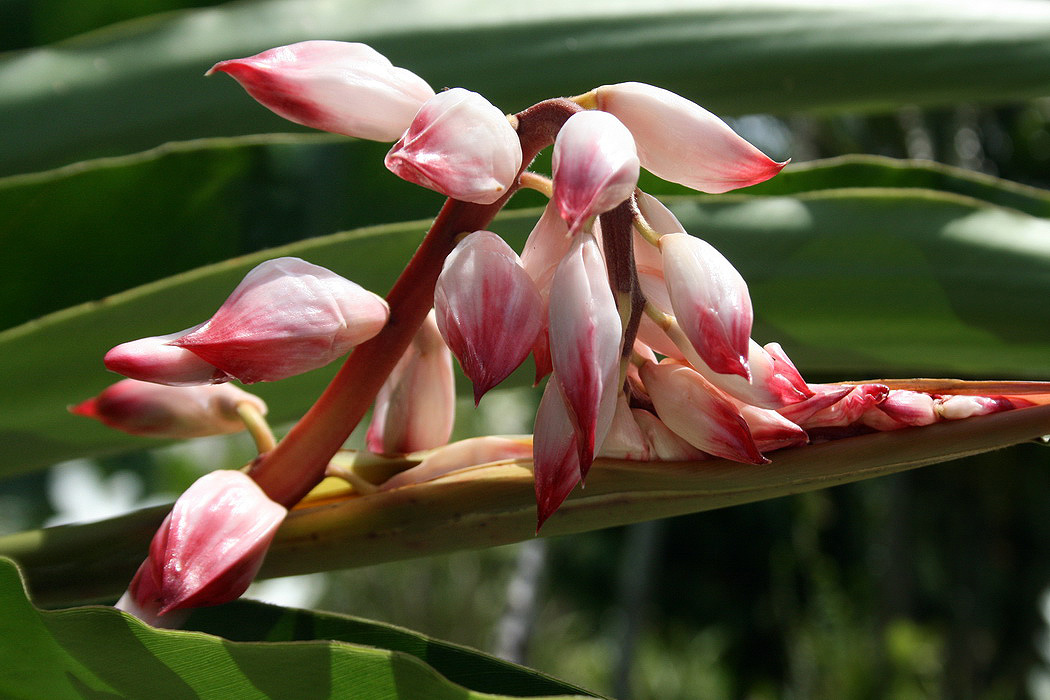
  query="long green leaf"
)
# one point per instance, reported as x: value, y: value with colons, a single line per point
x: 494, y: 505
x: 140, y: 83
x: 100, y: 652
x: 852, y: 283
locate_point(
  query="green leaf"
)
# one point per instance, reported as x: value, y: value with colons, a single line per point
x: 101, y: 653
x: 140, y: 83
x: 99, y: 227
x: 881, y: 282
x: 491, y: 505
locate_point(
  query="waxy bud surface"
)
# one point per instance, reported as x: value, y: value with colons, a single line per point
x: 488, y: 309
x: 155, y: 410
x: 460, y: 145
x: 710, y: 301
x: 594, y: 165
x: 208, y: 549
x: 345, y: 88
x: 585, y: 332
x: 286, y: 317
x: 154, y: 359
x: 682, y: 142
x: 416, y: 406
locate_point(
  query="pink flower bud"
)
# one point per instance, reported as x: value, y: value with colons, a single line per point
x: 901, y: 409
x: 585, y: 338
x: 625, y: 439
x: 770, y: 430
x: 463, y: 454
x: 710, y: 300
x: 556, y: 460
x: 824, y: 395
x: 956, y: 407
x: 154, y: 359
x: 545, y: 247
x: 488, y: 309
x: 208, y: 549
x: 345, y: 88
x: 155, y: 410
x: 285, y: 318
x: 847, y: 410
x: 460, y: 145
x: 691, y: 407
x: 416, y: 407
x: 594, y: 165
x: 682, y: 142
x: 665, y: 445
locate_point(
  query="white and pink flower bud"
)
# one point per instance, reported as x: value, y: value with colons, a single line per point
x: 555, y: 453
x: 155, y: 410
x: 901, y: 409
x: 585, y: 333
x: 594, y: 166
x: 682, y: 142
x: 694, y: 409
x: 286, y: 317
x: 208, y: 549
x: 665, y: 445
x: 959, y: 406
x: 154, y: 359
x: 846, y: 411
x: 710, y: 301
x: 462, y: 454
x: 770, y: 430
x: 488, y: 309
x: 625, y: 440
x: 416, y: 407
x: 545, y: 247
x: 345, y: 88
x: 460, y: 145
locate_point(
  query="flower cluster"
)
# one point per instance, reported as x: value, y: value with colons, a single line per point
x: 644, y: 329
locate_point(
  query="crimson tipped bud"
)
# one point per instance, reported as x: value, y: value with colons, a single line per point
x: 345, y: 88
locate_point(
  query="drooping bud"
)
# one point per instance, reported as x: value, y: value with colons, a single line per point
x: 710, y: 301
x: 556, y: 460
x: 682, y: 142
x: 488, y: 309
x: 154, y: 359
x: 691, y: 407
x: 286, y: 317
x: 416, y: 407
x: 585, y: 334
x: 155, y: 410
x: 208, y: 549
x: 460, y: 145
x: 594, y: 166
x: 345, y: 88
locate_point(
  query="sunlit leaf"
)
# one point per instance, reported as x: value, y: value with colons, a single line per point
x: 100, y: 652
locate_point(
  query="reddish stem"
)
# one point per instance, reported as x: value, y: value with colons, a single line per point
x: 299, y: 461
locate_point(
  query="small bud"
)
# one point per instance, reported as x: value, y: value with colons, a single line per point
x: 345, y: 88
x: 155, y: 410
x: 625, y: 440
x: 545, y: 247
x: 770, y: 430
x: 958, y: 406
x: 690, y: 406
x: 416, y: 407
x: 154, y: 359
x: 594, y: 166
x: 208, y: 549
x: 585, y: 339
x: 901, y: 409
x: 488, y: 309
x: 460, y: 145
x: 666, y: 446
x: 682, y: 142
x: 847, y: 410
x: 710, y: 301
x: 286, y: 317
